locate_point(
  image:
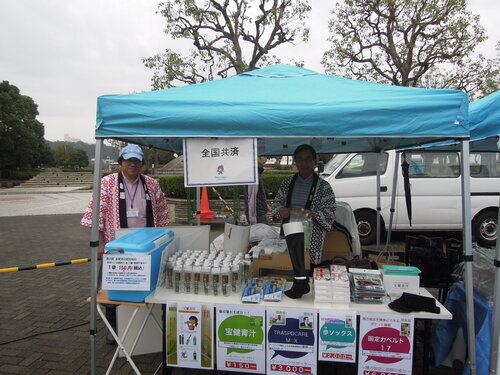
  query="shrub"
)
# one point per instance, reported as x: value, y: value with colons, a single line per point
x: 76, y: 170
x: 272, y: 181
x: 25, y: 174
x: 173, y: 186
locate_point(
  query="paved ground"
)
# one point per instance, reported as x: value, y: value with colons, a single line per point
x: 43, y: 313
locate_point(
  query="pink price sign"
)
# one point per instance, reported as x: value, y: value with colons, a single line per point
x: 385, y: 345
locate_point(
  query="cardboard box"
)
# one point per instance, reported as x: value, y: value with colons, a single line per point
x: 276, y: 265
x: 395, y: 285
x: 336, y: 245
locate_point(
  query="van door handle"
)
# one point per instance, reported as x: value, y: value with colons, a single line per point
x: 383, y: 188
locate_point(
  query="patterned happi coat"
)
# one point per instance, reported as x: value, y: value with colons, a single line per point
x: 323, y: 205
x: 109, y: 212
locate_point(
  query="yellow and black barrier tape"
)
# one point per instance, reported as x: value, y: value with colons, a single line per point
x: 44, y: 265
x: 229, y: 208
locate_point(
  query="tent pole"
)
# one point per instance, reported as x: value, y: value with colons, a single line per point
x: 393, y: 200
x: 377, y: 169
x: 94, y: 247
x: 198, y: 199
x: 495, y: 333
x: 467, y: 244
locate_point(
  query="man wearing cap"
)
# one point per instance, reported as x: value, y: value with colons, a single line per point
x: 129, y: 199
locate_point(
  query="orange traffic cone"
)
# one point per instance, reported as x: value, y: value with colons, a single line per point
x: 206, y: 214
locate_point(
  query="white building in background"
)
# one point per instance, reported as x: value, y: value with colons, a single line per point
x: 108, y: 165
x: 67, y: 138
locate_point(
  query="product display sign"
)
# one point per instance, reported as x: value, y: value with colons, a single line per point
x: 337, y: 336
x: 385, y: 344
x: 126, y: 272
x: 241, y: 338
x: 220, y: 161
x: 189, y: 335
x: 291, y: 341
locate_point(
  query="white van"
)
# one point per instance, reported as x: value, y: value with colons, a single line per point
x: 435, y: 191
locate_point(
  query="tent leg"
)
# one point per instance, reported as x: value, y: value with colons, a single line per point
x: 495, y: 333
x: 393, y: 201
x: 94, y: 247
x: 467, y: 242
x: 377, y: 168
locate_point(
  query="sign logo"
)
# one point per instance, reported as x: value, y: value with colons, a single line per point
x: 220, y: 169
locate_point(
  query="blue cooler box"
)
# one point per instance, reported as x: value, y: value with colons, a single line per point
x: 144, y: 241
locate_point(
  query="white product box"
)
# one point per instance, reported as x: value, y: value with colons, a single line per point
x: 396, y: 285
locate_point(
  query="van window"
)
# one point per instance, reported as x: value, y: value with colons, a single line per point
x: 485, y: 164
x: 333, y: 164
x: 364, y: 164
x: 433, y: 164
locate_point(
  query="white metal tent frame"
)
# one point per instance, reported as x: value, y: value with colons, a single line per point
x: 330, y: 140
x: 467, y: 241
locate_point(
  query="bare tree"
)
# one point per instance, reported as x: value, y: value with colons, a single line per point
x: 401, y: 41
x: 229, y: 36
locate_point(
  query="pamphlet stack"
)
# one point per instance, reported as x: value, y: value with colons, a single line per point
x: 340, y: 284
x: 367, y: 286
x: 323, y: 292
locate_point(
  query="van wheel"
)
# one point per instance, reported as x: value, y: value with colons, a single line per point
x: 367, y: 226
x: 485, y: 228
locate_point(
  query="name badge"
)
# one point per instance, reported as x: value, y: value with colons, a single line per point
x: 132, y: 213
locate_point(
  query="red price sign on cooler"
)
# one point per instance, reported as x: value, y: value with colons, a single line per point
x: 291, y: 368
x: 241, y: 365
x: 336, y: 355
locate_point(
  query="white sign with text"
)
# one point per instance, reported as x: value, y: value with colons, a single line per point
x: 220, y: 161
x: 126, y: 272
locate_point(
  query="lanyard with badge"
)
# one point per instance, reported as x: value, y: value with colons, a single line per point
x: 131, y: 212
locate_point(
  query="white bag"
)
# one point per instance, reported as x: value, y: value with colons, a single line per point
x: 236, y: 238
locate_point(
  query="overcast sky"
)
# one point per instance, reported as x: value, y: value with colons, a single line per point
x: 65, y: 53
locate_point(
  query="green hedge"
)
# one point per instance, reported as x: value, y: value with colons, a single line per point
x: 25, y: 174
x: 76, y: 170
x: 173, y: 186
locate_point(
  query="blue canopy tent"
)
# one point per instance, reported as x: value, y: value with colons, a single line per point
x: 484, y: 126
x: 484, y: 120
x: 484, y: 115
x: 282, y: 106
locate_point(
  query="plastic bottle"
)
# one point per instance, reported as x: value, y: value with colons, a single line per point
x: 230, y: 219
x: 235, y: 276
x: 216, y: 279
x: 196, y: 278
x: 170, y: 272
x: 206, y: 277
x: 177, y: 277
x: 187, y: 269
x: 243, y: 220
x: 225, y: 280
x: 247, y: 269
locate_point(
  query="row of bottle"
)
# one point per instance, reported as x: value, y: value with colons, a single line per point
x: 200, y: 272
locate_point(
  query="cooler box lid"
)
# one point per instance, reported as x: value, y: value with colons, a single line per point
x: 143, y: 240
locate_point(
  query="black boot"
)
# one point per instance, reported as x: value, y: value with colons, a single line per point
x: 299, y: 288
x: 295, y: 244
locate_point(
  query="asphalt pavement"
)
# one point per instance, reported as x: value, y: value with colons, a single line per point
x: 44, y: 316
